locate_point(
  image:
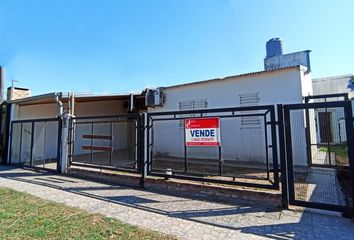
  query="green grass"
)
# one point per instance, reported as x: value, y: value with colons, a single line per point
x: 338, y: 150
x: 23, y: 216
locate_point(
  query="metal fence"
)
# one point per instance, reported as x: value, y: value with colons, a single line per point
x: 35, y: 143
x: 319, y: 148
x: 247, y: 154
x: 107, y: 142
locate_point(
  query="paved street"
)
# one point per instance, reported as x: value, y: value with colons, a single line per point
x: 183, y: 217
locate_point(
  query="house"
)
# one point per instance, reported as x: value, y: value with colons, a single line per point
x: 243, y: 139
x: 341, y: 87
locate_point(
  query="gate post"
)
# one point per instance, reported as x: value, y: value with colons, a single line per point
x: 64, y: 131
x: 141, y: 148
x: 350, y: 143
x: 282, y: 155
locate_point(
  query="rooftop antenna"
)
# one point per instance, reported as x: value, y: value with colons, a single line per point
x: 12, y: 82
x: 12, y: 89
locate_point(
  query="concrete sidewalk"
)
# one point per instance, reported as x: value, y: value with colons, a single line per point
x: 183, y: 217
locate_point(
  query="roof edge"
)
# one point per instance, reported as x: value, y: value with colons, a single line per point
x: 34, y: 98
x: 300, y: 67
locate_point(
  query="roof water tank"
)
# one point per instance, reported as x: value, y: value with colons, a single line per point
x: 274, y: 47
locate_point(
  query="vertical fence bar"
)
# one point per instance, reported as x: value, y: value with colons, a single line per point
x: 289, y: 155
x: 141, y: 127
x: 11, y: 138
x: 308, y: 134
x: 91, y: 143
x: 32, y: 140
x: 185, y: 147
x: 111, y: 144
x: 274, y: 147
x: 152, y: 144
x: 148, y: 144
x: 21, y: 135
x: 283, y: 165
x: 350, y: 142
x: 73, y: 136
x: 44, y: 143
x: 266, y: 144
x: 59, y: 145
x: 220, y: 162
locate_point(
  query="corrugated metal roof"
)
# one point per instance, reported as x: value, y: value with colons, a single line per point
x: 333, y: 78
x: 234, y: 76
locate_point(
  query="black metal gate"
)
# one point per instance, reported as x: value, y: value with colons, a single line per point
x: 247, y: 155
x: 319, y: 151
x: 36, y: 143
x: 107, y: 142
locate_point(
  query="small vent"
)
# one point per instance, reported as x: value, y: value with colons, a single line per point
x: 246, y: 100
x: 251, y: 99
x: 191, y: 105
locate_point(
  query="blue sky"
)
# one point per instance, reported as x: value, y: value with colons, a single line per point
x: 115, y: 46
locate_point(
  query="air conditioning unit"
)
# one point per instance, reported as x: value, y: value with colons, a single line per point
x: 153, y: 97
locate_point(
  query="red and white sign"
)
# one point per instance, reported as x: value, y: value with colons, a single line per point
x: 202, y: 131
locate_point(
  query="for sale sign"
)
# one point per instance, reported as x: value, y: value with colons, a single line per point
x: 202, y: 131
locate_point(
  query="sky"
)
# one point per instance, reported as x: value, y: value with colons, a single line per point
x: 120, y: 46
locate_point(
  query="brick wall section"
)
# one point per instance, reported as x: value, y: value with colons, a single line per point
x: 214, y: 192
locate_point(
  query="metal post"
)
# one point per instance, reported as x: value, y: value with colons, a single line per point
x: 289, y: 155
x: 185, y: 147
x: 91, y: 143
x: 266, y: 144
x: 21, y: 135
x: 141, y: 127
x: 350, y: 142
x: 59, y: 146
x: 32, y: 140
x: 220, y: 162
x: 274, y: 147
x: 11, y: 130
x: 148, y: 144
x: 44, y: 143
x: 308, y: 134
x: 111, y: 144
x: 283, y: 165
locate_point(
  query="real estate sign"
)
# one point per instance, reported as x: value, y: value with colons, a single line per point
x: 202, y: 131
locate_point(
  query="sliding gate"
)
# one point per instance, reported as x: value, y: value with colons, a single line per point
x: 245, y: 153
x: 320, y: 159
x: 36, y: 143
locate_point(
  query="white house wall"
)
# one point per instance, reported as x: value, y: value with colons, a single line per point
x: 238, y: 144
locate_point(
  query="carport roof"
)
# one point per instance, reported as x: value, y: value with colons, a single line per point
x: 49, y: 98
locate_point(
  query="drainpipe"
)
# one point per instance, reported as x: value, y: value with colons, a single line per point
x: 57, y: 97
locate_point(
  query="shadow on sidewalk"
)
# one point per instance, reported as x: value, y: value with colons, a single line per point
x: 246, y: 218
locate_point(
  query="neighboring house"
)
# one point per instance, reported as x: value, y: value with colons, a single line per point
x: 330, y: 116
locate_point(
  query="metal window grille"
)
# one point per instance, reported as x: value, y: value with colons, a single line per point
x: 191, y: 105
x: 251, y: 99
